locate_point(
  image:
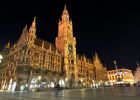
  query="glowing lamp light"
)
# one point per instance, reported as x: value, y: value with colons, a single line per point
x: 39, y: 77
x: 62, y: 83
x: 1, y: 57
x: 22, y: 88
x: 52, y: 84
x: 84, y: 84
x: 66, y: 79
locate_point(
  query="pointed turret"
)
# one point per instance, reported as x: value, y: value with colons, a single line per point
x: 25, y: 28
x: 138, y: 64
x: 50, y: 48
x: 96, y: 55
x: 97, y: 61
x: 24, y: 31
x: 14, y: 46
x: 84, y: 57
x: 65, y: 14
x: 32, y: 32
x: 65, y: 8
x: 32, y: 28
x: 28, y: 35
x: 34, y: 23
x: 65, y: 11
x: 42, y: 44
x: 7, y: 45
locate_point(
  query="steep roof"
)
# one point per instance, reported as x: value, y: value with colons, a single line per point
x: 47, y: 44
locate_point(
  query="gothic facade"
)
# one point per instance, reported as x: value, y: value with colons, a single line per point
x: 35, y: 63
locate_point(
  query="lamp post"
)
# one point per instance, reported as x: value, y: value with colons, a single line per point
x: 118, y: 79
x: 1, y: 57
x: 94, y: 70
x: 116, y: 66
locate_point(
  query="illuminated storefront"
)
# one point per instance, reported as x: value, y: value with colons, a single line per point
x: 121, y: 76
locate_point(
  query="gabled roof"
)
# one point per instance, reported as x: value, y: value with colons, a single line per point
x: 47, y: 44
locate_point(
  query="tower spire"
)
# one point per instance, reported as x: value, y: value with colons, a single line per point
x: 33, y: 26
x: 65, y: 15
x: 34, y: 22
x: 25, y: 28
x: 50, y: 48
x: 138, y: 64
x: 96, y: 55
x: 7, y: 45
x: 42, y: 44
x: 65, y: 8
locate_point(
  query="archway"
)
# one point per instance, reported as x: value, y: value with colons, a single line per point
x: 62, y: 83
x: 80, y: 83
x: 4, y: 85
x: 72, y: 81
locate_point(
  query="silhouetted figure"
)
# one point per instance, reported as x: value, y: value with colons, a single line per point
x: 57, y: 86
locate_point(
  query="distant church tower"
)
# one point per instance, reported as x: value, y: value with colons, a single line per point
x: 66, y: 44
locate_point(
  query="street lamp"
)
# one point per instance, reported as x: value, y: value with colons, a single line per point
x: 117, y: 73
x: 1, y: 58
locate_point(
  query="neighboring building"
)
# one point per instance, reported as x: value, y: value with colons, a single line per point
x: 137, y: 73
x: 91, y: 70
x: 121, y: 76
x: 36, y: 63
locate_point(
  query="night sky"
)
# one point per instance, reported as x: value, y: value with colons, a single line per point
x: 112, y: 29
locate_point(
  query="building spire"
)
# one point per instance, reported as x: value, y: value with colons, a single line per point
x: 25, y: 28
x: 7, y: 45
x: 96, y: 55
x: 32, y: 28
x: 65, y: 8
x: 42, y: 44
x: 65, y: 15
x: 50, y: 48
x: 84, y: 57
x: 138, y: 64
x: 34, y: 22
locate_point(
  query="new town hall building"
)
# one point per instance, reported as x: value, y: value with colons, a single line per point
x: 35, y: 63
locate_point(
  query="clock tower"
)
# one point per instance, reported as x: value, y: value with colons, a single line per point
x: 66, y: 44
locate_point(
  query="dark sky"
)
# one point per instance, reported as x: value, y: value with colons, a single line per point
x: 111, y: 28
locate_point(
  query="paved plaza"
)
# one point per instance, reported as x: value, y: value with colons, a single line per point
x: 123, y: 93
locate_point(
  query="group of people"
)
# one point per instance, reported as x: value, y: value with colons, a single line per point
x: 137, y: 84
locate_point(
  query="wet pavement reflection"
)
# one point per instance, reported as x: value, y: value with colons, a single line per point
x: 120, y: 93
